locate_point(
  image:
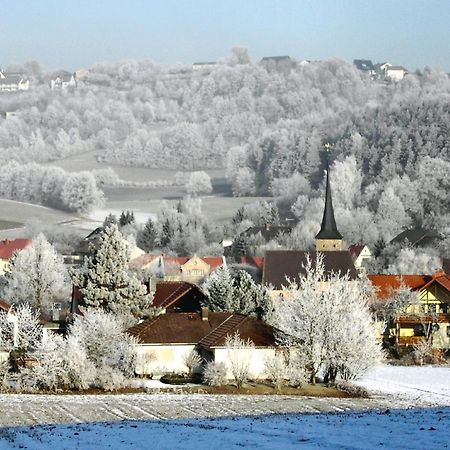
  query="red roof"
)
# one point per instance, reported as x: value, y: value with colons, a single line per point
x: 257, y: 261
x: 386, y: 285
x: 8, y: 247
x: 213, y: 261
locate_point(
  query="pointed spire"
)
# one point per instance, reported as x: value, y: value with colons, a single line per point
x: 328, y: 230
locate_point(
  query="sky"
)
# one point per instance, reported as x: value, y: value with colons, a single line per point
x: 71, y: 34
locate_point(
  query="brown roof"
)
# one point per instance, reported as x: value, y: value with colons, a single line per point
x: 189, y: 328
x: 355, y: 250
x: 386, y: 285
x: 8, y: 247
x: 177, y: 328
x: 4, y: 306
x: 169, y: 293
x: 282, y: 264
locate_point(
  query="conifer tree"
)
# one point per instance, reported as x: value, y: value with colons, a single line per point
x: 147, y: 236
x: 219, y: 289
x: 105, y: 282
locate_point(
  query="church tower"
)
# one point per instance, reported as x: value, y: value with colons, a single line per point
x: 328, y: 238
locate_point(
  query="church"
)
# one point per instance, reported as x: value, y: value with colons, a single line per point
x: 280, y: 265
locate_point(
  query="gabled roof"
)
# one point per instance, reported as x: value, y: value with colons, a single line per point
x: 256, y: 261
x: 4, y: 306
x: 355, y: 250
x: 279, y: 264
x: 8, y: 247
x: 276, y: 58
x: 417, y: 237
x: 386, y: 285
x: 363, y: 64
x: 169, y: 293
x: 190, y: 328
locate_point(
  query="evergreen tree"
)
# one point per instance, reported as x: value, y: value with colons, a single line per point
x: 126, y: 218
x: 146, y: 238
x: 252, y: 298
x: 219, y: 290
x: 167, y: 233
x: 110, y: 219
x: 104, y: 280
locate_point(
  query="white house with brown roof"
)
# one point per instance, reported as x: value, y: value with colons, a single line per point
x: 167, y: 338
x: 361, y: 256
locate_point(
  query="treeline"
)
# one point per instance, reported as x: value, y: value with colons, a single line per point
x: 50, y: 186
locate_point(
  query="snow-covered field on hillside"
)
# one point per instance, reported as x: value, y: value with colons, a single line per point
x: 410, y: 408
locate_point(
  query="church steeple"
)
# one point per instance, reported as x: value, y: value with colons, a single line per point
x: 328, y: 238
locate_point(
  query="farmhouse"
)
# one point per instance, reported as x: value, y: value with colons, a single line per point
x: 166, y: 339
x: 429, y: 317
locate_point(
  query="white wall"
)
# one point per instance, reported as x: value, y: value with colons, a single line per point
x: 257, y: 358
x: 161, y: 359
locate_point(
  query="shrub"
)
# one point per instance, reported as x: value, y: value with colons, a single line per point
x: 276, y: 369
x: 192, y: 361
x: 215, y: 374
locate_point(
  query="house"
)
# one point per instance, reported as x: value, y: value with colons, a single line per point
x: 83, y: 248
x: 207, y: 65
x: 13, y: 82
x: 361, y: 256
x: 430, y: 316
x: 395, y: 73
x: 166, y: 339
x: 177, y: 268
x: 62, y: 80
x: 417, y: 237
x: 365, y: 65
x: 278, y: 63
x: 7, y: 249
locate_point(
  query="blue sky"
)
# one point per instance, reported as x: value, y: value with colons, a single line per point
x: 77, y: 33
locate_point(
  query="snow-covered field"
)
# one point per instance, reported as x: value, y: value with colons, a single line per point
x: 399, y: 415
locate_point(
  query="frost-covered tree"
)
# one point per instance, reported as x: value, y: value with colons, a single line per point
x: 38, y: 276
x: 252, y: 298
x: 328, y: 323
x: 105, y: 282
x: 219, y: 289
x: 198, y: 183
x: 80, y: 193
x: 20, y: 329
x: 239, y: 355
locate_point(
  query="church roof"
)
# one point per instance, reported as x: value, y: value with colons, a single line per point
x: 328, y: 230
x: 280, y: 265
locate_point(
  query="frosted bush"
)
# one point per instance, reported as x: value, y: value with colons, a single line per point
x: 276, y: 369
x: 192, y: 361
x: 239, y: 357
x: 215, y: 374
x: 110, y: 379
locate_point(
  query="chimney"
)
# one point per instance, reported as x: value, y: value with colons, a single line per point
x: 205, y: 313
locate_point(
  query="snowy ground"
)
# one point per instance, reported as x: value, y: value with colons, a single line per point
x: 399, y: 415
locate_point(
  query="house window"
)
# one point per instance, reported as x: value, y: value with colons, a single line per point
x: 418, y: 330
x: 448, y: 330
x: 443, y: 307
x: 432, y: 308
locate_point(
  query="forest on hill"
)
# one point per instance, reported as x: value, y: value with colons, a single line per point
x: 266, y: 124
